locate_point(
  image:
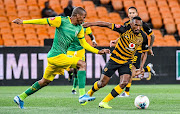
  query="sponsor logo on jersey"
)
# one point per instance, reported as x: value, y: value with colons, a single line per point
x: 52, y: 18
x: 131, y: 47
x: 117, y: 26
x: 146, y: 46
x: 105, y: 69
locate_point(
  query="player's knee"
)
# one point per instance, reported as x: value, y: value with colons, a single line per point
x: 101, y: 83
x: 43, y: 82
x: 83, y: 65
x: 123, y: 84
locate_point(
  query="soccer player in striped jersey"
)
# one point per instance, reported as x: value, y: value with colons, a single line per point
x: 131, y: 37
x: 67, y: 29
x: 77, y: 50
x: 139, y: 58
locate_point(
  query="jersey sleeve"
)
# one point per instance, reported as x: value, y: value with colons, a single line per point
x: 80, y: 35
x: 54, y: 21
x: 145, y: 43
x: 118, y: 28
x: 147, y: 29
x: 88, y: 31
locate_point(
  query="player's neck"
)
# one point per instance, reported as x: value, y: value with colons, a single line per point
x: 73, y: 20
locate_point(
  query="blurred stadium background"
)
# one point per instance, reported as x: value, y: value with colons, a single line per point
x: 162, y: 15
x: 23, y: 56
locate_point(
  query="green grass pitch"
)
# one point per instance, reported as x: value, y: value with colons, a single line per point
x: 164, y: 99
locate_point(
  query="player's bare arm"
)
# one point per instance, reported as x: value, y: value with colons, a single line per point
x: 113, y: 42
x: 150, y: 52
x: 93, y: 40
x: 104, y: 51
x: 98, y: 23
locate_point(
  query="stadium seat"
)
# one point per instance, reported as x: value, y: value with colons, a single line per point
x: 105, y: 1
x: 1, y: 42
x: 31, y: 2
x: 3, y: 19
x: 5, y: 31
x: 43, y: 36
x: 31, y: 36
x: 117, y: 4
x: 4, y: 25
x: 17, y: 30
x: 10, y: 42
x: 157, y: 22
x: 33, y: 42
x: 20, y: 2
x: 144, y: 16
x: 125, y: 19
x: 21, y: 42
x: 170, y: 28
x: 22, y: 7
x: 19, y: 36
x: 7, y: 36
x: 23, y: 14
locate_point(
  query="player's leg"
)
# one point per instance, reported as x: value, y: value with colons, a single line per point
x: 149, y: 68
x: 81, y: 55
x: 70, y: 72
x: 75, y: 82
x: 99, y: 84
x: 116, y: 91
x: 125, y: 75
x: 81, y: 74
x: 107, y: 72
x: 47, y: 78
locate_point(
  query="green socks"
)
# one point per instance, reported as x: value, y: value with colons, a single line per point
x: 75, y: 83
x: 82, y: 81
x: 35, y: 87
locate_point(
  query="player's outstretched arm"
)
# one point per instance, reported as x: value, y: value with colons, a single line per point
x: 98, y: 23
x: 150, y: 52
x: 32, y: 21
x: 88, y: 47
x: 113, y: 42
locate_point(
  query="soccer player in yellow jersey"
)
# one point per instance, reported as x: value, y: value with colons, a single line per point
x: 140, y: 57
x: 131, y: 37
x: 67, y: 29
x: 75, y: 49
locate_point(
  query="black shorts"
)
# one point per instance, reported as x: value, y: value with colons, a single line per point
x: 112, y: 66
x: 137, y: 60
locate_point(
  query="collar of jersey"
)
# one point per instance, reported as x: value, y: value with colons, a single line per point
x: 69, y: 19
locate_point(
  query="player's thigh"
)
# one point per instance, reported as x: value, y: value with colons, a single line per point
x: 110, y: 68
x: 137, y: 60
x: 49, y: 72
x: 125, y: 69
x: 64, y: 61
x: 81, y: 54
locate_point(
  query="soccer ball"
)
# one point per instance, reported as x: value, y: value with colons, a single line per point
x: 141, y: 102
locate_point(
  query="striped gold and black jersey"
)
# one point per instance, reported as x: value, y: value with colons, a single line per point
x: 127, y: 44
x: 145, y: 28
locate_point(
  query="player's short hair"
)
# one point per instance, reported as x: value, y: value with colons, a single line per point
x: 136, y: 18
x: 132, y: 7
x: 78, y: 10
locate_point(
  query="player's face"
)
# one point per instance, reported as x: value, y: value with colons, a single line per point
x: 132, y: 13
x: 81, y: 18
x: 136, y: 26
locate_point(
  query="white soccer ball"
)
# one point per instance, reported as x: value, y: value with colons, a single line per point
x: 141, y: 102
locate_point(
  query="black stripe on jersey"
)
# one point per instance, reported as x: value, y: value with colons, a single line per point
x: 123, y: 47
x: 114, y: 55
x: 122, y: 54
x: 122, y: 50
x: 125, y: 41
